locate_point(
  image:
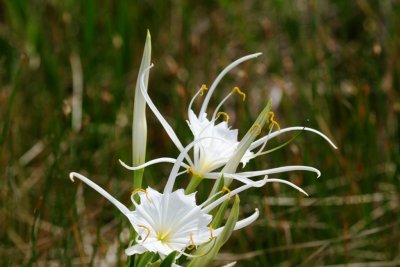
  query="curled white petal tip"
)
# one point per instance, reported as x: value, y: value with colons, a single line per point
x: 298, y: 188
x: 231, y: 264
x: 262, y: 182
x: 318, y: 174
x: 274, y: 134
x: 124, y: 164
x: 71, y: 176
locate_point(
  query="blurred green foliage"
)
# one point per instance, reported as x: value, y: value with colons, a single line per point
x: 330, y: 65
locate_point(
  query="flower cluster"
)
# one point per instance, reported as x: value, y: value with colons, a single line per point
x: 172, y: 221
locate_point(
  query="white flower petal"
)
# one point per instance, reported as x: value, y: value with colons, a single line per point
x: 172, y: 177
x: 279, y: 170
x: 247, y: 221
x: 239, y: 224
x: 157, y: 113
x: 220, y: 76
x: 100, y: 190
x: 135, y: 249
x: 273, y: 180
x: 217, y: 202
x: 260, y: 141
x: 218, y: 175
x: 231, y: 264
x: 151, y: 162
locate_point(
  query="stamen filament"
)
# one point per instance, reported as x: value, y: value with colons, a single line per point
x: 272, y: 121
x: 260, y: 151
x: 137, y: 190
x: 224, y: 114
x: 147, y: 229
x: 192, y: 246
x: 211, y: 232
x: 234, y: 90
x: 227, y: 190
x: 203, y: 89
x: 237, y: 90
x: 256, y: 126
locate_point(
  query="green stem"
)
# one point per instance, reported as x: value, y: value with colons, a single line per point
x: 137, y: 179
x: 137, y: 183
x: 193, y: 184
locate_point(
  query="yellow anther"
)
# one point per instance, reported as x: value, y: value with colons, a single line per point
x: 227, y: 190
x: 192, y: 172
x: 224, y: 114
x: 237, y: 90
x: 256, y: 126
x: 135, y: 191
x: 272, y: 121
x: 147, y: 229
x: 211, y: 232
x: 203, y: 89
x: 192, y: 246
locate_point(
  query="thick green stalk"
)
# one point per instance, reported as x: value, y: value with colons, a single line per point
x: 193, y: 184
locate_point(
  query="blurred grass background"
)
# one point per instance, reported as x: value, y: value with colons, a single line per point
x: 330, y: 65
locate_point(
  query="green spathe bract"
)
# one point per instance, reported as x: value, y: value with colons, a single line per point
x: 246, y: 141
x: 139, y: 125
x: 207, y: 252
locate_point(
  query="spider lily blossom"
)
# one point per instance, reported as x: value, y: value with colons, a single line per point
x: 223, y: 151
x: 171, y: 220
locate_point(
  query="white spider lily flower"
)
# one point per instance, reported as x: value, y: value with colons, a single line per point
x: 212, y: 154
x: 224, y: 148
x: 172, y: 220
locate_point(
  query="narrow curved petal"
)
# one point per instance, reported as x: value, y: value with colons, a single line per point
x: 217, y: 175
x: 239, y: 224
x: 135, y: 249
x: 192, y: 100
x: 260, y: 141
x: 220, y: 76
x: 247, y: 221
x: 231, y: 264
x: 279, y: 170
x: 151, y: 162
x: 100, y: 190
x: 157, y: 113
x: 172, y: 177
x: 273, y: 180
x: 220, y: 105
x: 217, y: 202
